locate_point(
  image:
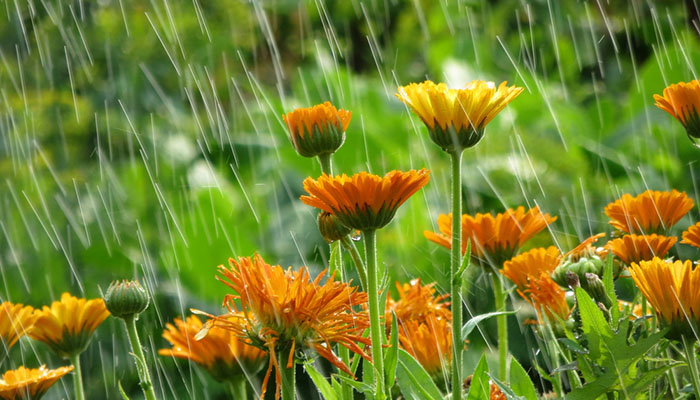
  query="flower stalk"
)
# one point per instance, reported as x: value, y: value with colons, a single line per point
x: 692, y: 359
x: 288, y: 373
x: 499, y: 296
x: 376, y: 327
x: 141, y: 365
x: 77, y: 377
x: 456, y: 281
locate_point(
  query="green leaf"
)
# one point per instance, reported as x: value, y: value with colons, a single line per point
x: 520, y: 381
x: 121, y: 391
x: 320, y: 381
x: 414, y: 382
x: 479, y: 387
x: 391, y: 357
x: 473, y: 322
x: 336, y: 260
x: 609, y: 285
x: 510, y: 394
x: 595, y: 326
x: 361, y: 387
x: 572, y: 346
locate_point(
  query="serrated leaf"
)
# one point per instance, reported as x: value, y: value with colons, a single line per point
x: 321, y: 383
x: 479, y: 387
x: 520, y: 381
x: 414, y: 382
x: 609, y: 286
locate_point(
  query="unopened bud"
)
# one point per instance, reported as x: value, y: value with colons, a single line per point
x: 126, y: 299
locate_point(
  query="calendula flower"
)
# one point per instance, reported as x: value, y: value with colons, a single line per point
x: 672, y: 290
x: 67, y: 326
x: 522, y: 267
x: 495, y: 392
x: 582, y: 259
x: 364, y: 201
x: 429, y: 342
x: 636, y: 248
x: 317, y: 130
x: 289, y: 310
x: 649, y: 212
x: 417, y: 302
x: 456, y: 118
x: 691, y: 236
x: 546, y: 296
x: 682, y: 101
x: 15, y: 321
x: 221, y: 352
x: 494, y: 239
x: 26, y: 383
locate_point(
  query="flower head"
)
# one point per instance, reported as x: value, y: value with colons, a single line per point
x: 672, y: 290
x: 546, y: 296
x: 317, y: 130
x: 636, y: 248
x: 691, y: 236
x: 223, y: 354
x: 521, y: 268
x: 289, y: 310
x: 417, y: 302
x: 67, y: 326
x: 494, y: 239
x: 26, y: 383
x: 429, y: 342
x: 364, y: 201
x: 15, y: 321
x: 682, y: 101
x: 456, y: 118
x: 649, y: 212
x: 125, y: 299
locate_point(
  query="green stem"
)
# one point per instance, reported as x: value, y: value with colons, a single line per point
x: 325, y: 161
x: 288, y: 375
x: 344, y: 352
x: 500, y: 298
x: 77, y: 377
x: 689, y: 349
x: 455, y: 281
x: 238, y: 388
x: 674, y: 381
x: 141, y: 365
x: 375, y: 325
x: 349, y: 245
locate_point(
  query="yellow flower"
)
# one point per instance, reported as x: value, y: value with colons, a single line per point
x: 25, y: 383
x: 672, y: 290
x: 691, y: 236
x: 682, y: 101
x: 290, y: 310
x: 494, y: 239
x: 521, y: 268
x: 456, y: 118
x: 317, y: 130
x: 67, y: 326
x: 636, y: 248
x: 223, y: 354
x: 545, y: 295
x: 15, y: 321
x: 364, y: 201
x: 429, y: 342
x: 649, y: 212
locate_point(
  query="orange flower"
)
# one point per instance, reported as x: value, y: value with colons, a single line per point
x: 692, y: 235
x: 288, y: 309
x: 223, y: 354
x: 649, y: 212
x: 25, y: 383
x: 495, y: 393
x: 417, y: 302
x: 429, y: 342
x: 586, y: 249
x: 682, y: 101
x: 522, y: 267
x: 494, y: 239
x: 67, y: 326
x: 364, y: 201
x: 456, y: 118
x: 672, y: 290
x: 636, y: 248
x: 545, y: 295
x: 317, y: 130
x: 15, y: 321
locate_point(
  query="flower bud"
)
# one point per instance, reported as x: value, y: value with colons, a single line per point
x: 126, y: 299
x: 317, y: 130
x: 331, y: 229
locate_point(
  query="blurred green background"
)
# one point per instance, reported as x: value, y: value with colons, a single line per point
x: 145, y: 140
